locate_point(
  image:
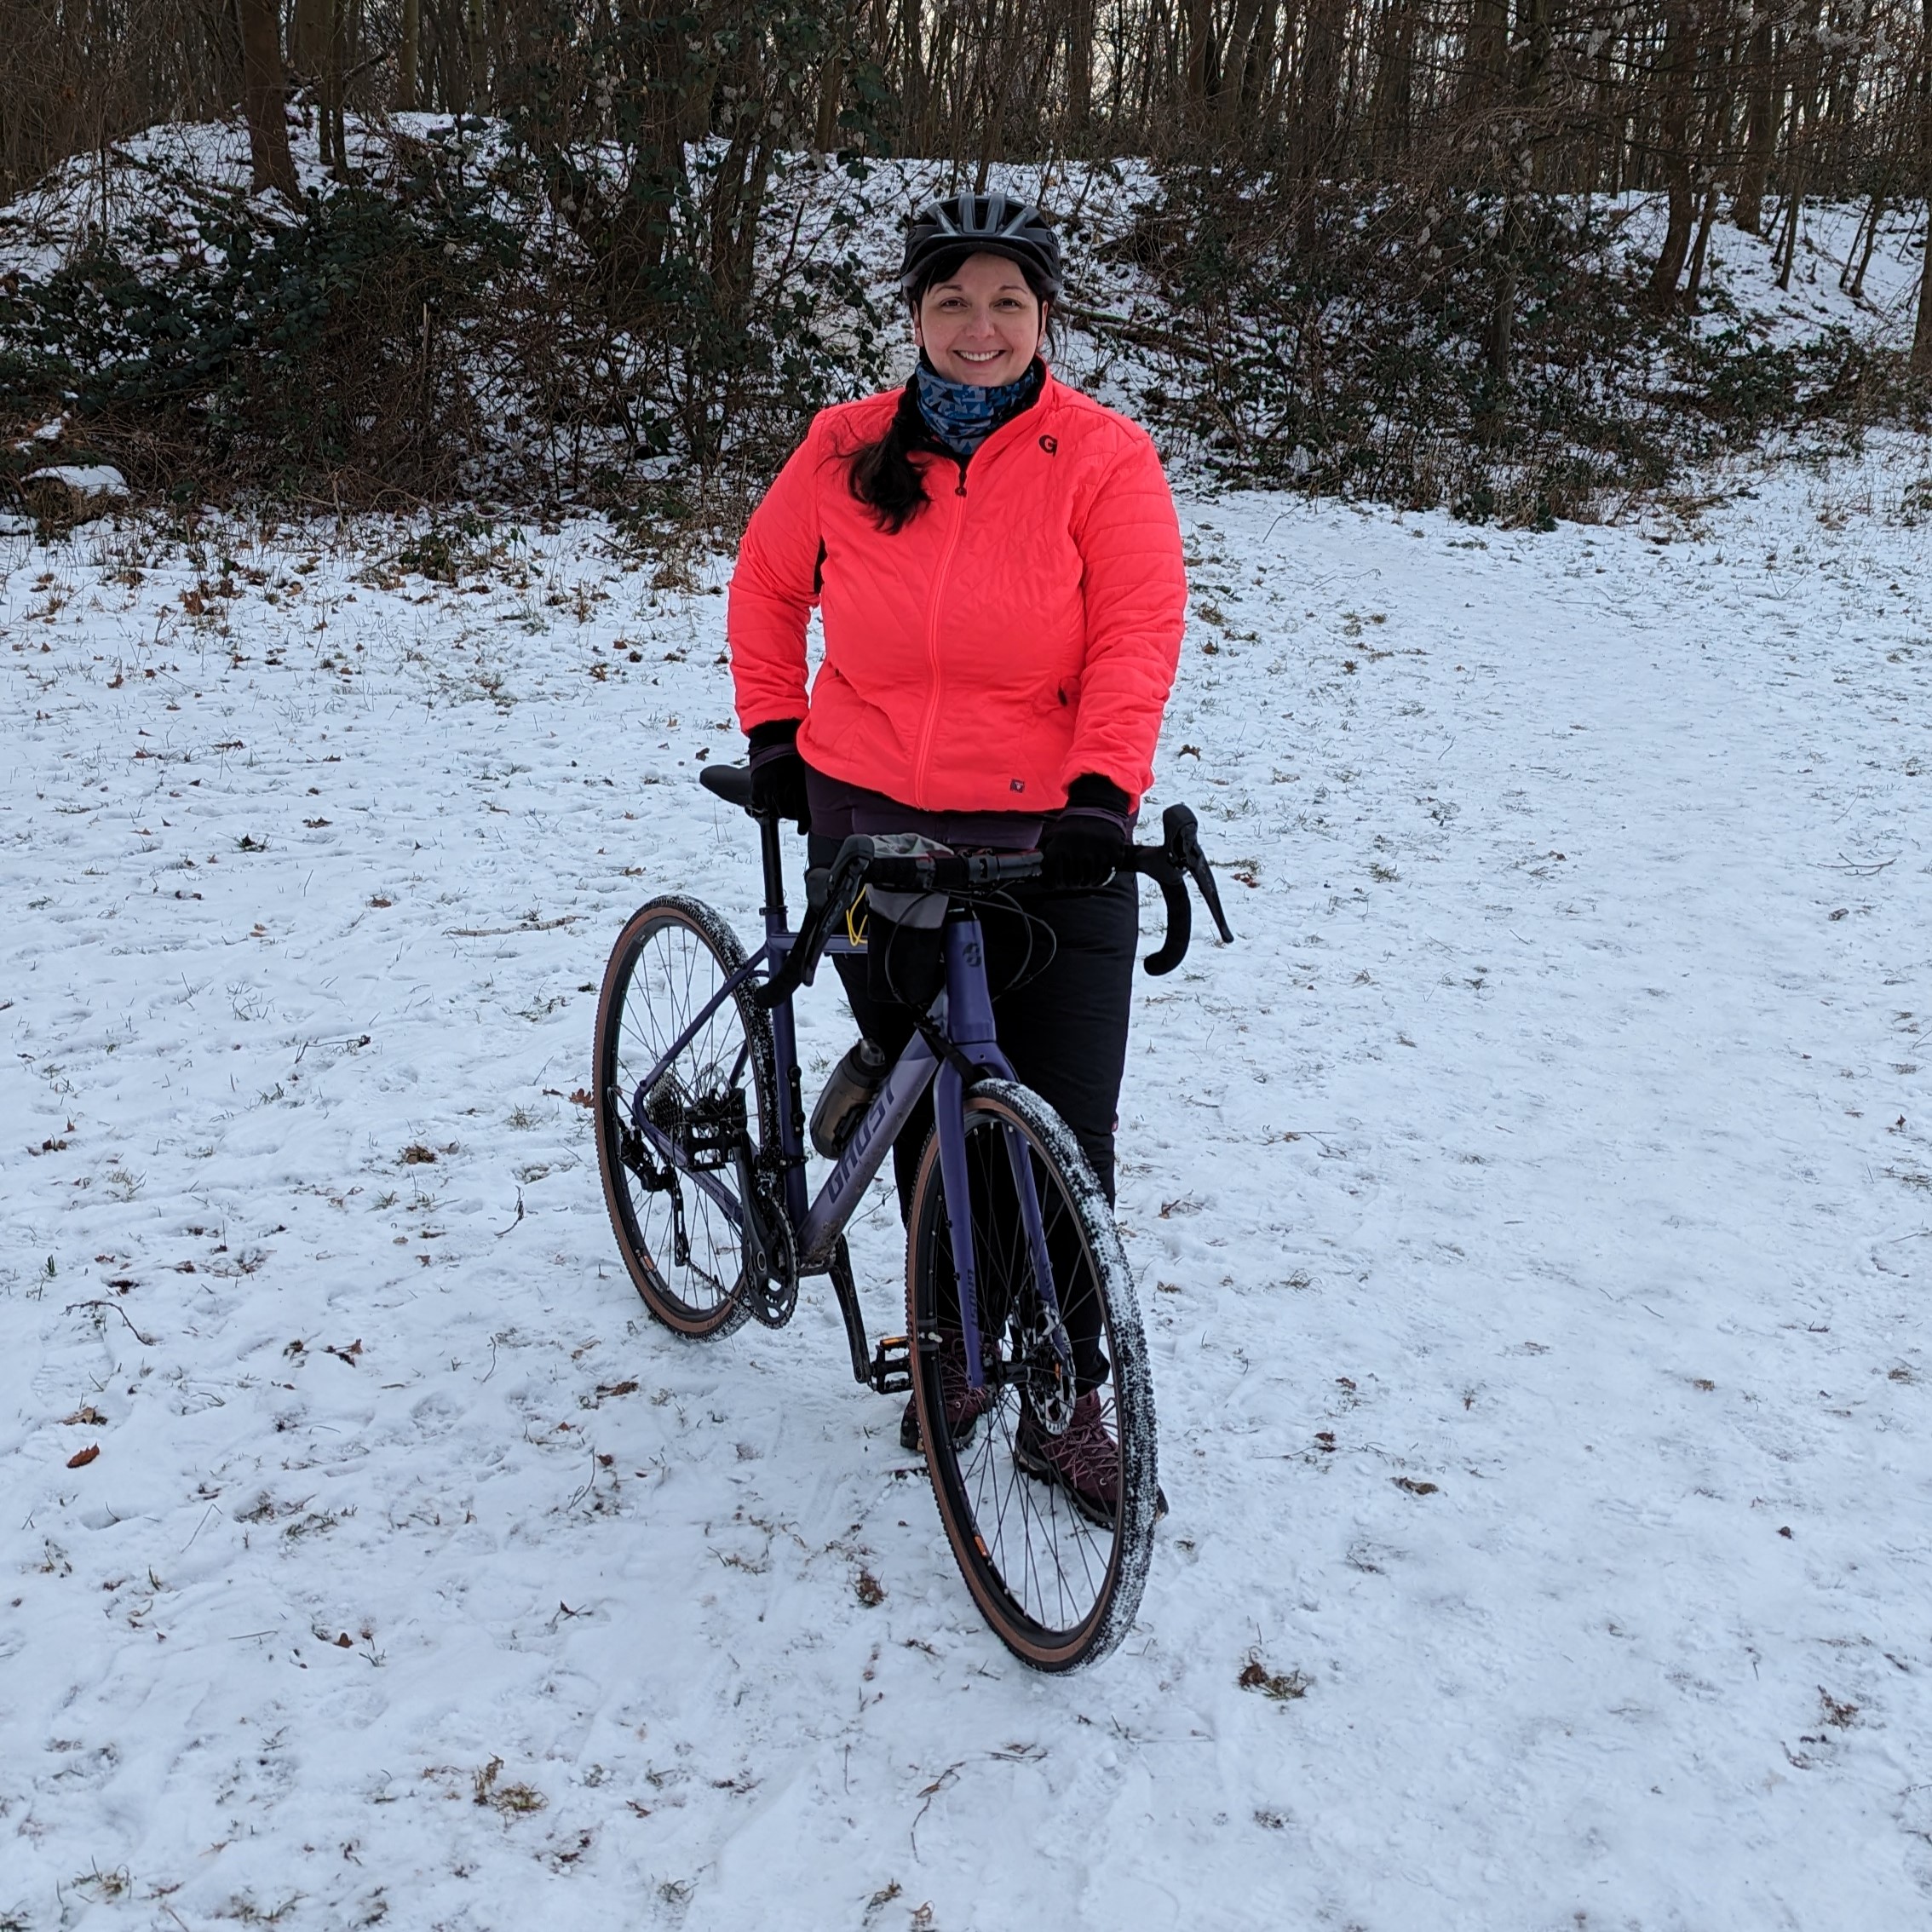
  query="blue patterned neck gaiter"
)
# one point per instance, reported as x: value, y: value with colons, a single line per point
x: 963, y: 415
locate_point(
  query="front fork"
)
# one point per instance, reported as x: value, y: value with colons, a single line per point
x: 969, y: 1021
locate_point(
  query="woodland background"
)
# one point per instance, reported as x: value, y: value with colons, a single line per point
x: 1429, y: 250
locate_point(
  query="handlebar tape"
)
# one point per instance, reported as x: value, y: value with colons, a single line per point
x: 1156, y: 865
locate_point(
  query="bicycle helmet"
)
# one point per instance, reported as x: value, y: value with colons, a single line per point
x: 990, y: 224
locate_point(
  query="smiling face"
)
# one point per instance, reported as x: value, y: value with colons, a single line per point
x: 981, y: 325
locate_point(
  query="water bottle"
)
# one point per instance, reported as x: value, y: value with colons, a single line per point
x: 847, y: 1095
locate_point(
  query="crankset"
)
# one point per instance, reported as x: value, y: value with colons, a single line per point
x: 769, y: 1283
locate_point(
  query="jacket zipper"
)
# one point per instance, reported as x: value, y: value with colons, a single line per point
x: 920, y: 761
x: 924, y: 753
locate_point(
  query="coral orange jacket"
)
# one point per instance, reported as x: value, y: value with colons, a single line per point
x: 1021, y: 630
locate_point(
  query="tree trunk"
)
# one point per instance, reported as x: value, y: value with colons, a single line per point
x: 1678, y: 66
x: 832, y: 90
x: 478, y: 88
x: 1804, y: 115
x: 1761, y: 128
x: 1232, y: 75
x: 1201, y: 76
x: 308, y: 37
x: 1257, y: 81
x: 1695, y: 281
x: 223, y: 36
x: 338, y: 85
x: 1783, y: 257
x: 262, y: 97
x: 1851, y: 278
x: 1487, y: 61
x: 406, y: 56
x: 1315, y: 115
x: 1394, y: 82
x: 1922, y: 335
x: 1532, y: 61
x: 912, y: 78
x: 1079, y: 64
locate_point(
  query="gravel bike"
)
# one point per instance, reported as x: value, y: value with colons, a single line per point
x: 1012, y: 1255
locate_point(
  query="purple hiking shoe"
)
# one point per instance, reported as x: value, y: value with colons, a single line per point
x: 1084, y: 1460
x: 964, y: 1405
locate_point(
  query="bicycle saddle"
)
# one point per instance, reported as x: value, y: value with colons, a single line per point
x: 732, y: 783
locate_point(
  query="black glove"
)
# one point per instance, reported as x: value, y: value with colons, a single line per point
x: 777, y: 773
x: 1084, y: 845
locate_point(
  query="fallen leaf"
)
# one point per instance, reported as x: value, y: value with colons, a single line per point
x: 1283, y: 1686
x: 82, y: 1458
x: 1414, y: 1488
x: 581, y: 1097
x: 86, y: 1413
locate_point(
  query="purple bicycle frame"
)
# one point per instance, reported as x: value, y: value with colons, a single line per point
x: 963, y: 1015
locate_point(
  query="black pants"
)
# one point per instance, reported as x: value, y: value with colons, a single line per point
x: 1064, y: 1028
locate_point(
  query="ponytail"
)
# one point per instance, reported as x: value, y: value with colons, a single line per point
x: 882, y: 475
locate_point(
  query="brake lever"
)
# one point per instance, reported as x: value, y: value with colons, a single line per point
x: 830, y: 893
x: 1183, y: 846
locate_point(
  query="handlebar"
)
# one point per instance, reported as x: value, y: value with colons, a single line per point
x: 833, y: 891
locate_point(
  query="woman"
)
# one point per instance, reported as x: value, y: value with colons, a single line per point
x: 996, y: 562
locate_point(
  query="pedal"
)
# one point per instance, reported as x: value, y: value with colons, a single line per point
x: 892, y: 1365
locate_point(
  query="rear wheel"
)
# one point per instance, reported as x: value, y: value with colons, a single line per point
x: 662, y: 1137
x: 1056, y: 1568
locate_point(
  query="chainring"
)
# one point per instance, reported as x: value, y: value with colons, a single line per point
x: 773, y: 1299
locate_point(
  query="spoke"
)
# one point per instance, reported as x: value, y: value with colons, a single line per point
x: 1053, y: 1565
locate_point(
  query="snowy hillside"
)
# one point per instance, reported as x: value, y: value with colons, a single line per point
x: 1532, y: 1217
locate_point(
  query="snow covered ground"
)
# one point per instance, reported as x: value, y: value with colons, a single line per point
x: 1532, y: 1217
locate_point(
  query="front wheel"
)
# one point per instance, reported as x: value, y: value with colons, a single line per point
x: 666, y: 1127
x: 1049, y: 1504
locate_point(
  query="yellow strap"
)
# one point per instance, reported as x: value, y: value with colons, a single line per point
x: 855, y: 921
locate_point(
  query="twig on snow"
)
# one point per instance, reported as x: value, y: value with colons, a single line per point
x: 145, y: 1341
x: 928, y: 1794
x: 501, y: 1231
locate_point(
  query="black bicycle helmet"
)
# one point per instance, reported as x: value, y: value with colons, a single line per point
x: 992, y: 224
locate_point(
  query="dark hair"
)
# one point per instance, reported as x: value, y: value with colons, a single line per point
x: 881, y: 473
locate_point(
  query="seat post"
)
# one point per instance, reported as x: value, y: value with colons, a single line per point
x: 771, y: 851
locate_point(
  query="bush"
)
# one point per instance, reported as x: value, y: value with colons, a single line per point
x: 437, y: 335
x: 316, y: 352
x: 1352, y: 348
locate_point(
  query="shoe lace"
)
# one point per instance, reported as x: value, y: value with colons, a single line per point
x: 1086, y: 1455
